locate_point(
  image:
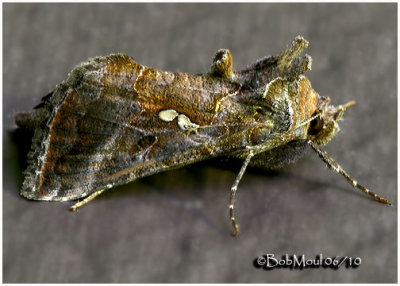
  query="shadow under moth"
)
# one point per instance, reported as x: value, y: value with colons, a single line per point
x: 114, y: 121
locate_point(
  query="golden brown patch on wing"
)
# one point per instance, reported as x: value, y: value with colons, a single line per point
x: 307, y: 98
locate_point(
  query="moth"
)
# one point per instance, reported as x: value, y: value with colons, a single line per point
x: 113, y: 121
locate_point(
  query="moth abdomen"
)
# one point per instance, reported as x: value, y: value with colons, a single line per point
x: 281, y: 156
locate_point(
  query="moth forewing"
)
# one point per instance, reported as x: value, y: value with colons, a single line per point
x: 140, y: 131
x: 114, y: 121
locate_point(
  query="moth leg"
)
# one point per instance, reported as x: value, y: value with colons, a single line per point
x: 233, y: 193
x: 335, y: 166
x: 86, y: 200
x: 222, y: 64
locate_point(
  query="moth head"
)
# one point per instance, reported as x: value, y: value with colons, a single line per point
x: 324, y: 124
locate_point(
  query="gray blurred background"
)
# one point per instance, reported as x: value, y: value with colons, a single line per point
x: 174, y: 227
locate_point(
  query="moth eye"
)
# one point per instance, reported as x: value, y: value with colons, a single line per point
x: 316, y: 125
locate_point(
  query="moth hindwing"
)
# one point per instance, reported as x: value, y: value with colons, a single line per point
x: 114, y: 121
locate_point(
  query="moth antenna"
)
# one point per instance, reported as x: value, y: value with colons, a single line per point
x: 233, y: 193
x: 205, y: 127
x: 342, y: 108
x: 348, y: 104
x: 335, y: 166
x: 308, y: 120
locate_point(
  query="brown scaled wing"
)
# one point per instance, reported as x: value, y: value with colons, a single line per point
x: 101, y: 128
